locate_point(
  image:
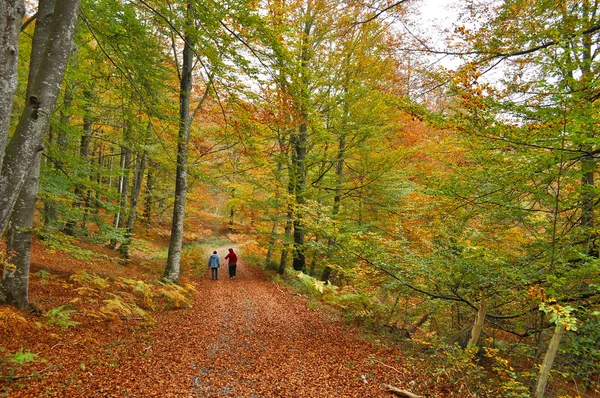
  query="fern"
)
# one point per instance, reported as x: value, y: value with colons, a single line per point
x: 21, y: 357
x: 314, y: 286
x: 116, y: 307
x: 90, y: 280
x: 178, y: 296
x: 141, y: 289
x: 61, y: 317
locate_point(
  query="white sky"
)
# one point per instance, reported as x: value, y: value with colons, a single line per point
x: 435, y: 19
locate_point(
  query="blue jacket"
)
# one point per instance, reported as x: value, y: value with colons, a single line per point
x: 214, y: 261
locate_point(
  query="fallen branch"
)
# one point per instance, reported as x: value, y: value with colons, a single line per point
x: 399, y: 392
x: 34, y: 374
x: 388, y: 366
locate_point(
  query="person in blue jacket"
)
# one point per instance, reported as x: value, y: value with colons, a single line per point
x: 214, y: 262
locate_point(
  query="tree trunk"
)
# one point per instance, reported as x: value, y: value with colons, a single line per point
x: 559, y: 330
x: 274, y: 229
x: 337, y: 199
x: 149, y: 193
x: 172, y: 269
x: 84, y: 154
x: 478, y: 325
x: 119, y: 219
x: 135, y: 195
x: 300, y: 147
x: 27, y: 139
x: 50, y: 204
x: 299, y: 261
x: 231, y: 212
x: 15, y: 280
x: 588, y: 166
x: 290, y: 210
x: 286, y: 239
x: 11, y: 16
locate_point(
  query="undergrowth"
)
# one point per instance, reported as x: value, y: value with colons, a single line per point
x: 125, y: 298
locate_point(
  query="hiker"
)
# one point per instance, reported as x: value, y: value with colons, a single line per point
x: 214, y: 262
x: 232, y: 257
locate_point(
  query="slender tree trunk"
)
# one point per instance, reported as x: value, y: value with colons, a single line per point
x: 337, y: 199
x: 540, y: 388
x: 135, y: 195
x: 231, y: 212
x: 478, y: 325
x: 50, y: 205
x: 149, y: 193
x: 124, y: 163
x: 11, y: 16
x: 287, y: 235
x: 299, y: 262
x: 84, y: 154
x: 286, y: 239
x: 271, y: 244
x: 172, y: 269
x: 27, y: 139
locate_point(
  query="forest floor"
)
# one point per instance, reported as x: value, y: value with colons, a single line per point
x: 247, y: 337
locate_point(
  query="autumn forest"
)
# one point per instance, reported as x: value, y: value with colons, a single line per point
x: 414, y: 203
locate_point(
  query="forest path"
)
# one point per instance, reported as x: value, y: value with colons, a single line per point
x: 247, y: 337
x: 258, y: 340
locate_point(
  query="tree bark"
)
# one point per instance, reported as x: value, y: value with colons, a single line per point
x: 301, y: 143
x: 337, y: 199
x: 50, y: 204
x: 84, y: 154
x: 172, y: 269
x: 275, y: 227
x: 559, y: 330
x: 290, y: 209
x: 15, y: 279
x: 11, y: 15
x: 286, y: 239
x: 135, y: 196
x: 478, y: 325
x: 123, y: 188
x: 27, y: 140
x: 149, y: 193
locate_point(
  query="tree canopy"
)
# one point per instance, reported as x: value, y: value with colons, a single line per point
x: 457, y: 205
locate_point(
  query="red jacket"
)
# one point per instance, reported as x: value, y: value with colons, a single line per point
x: 232, y: 258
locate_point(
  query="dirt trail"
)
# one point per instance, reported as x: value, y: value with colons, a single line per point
x: 242, y: 338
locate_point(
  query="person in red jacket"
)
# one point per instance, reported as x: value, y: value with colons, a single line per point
x: 232, y: 257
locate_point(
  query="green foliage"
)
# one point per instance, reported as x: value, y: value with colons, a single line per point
x: 91, y: 281
x: 44, y: 276
x: 61, y: 317
x: 511, y: 383
x: 579, y: 354
x: 126, y: 297
x: 20, y: 357
x: 177, y: 296
x: 356, y: 306
x: 118, y: 306
x: 313, y: 286
x: 59, y: 241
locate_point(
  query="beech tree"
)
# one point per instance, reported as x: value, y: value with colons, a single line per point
x: 51, y: 50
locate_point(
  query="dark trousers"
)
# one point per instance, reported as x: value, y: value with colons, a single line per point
x: 232, y: 268
x: 213, y: 273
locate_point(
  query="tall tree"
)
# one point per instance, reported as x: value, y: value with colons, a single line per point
x: 11, y: 16
x: 56, y: 22
x: 172, y: 269
x: 26, y: 142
